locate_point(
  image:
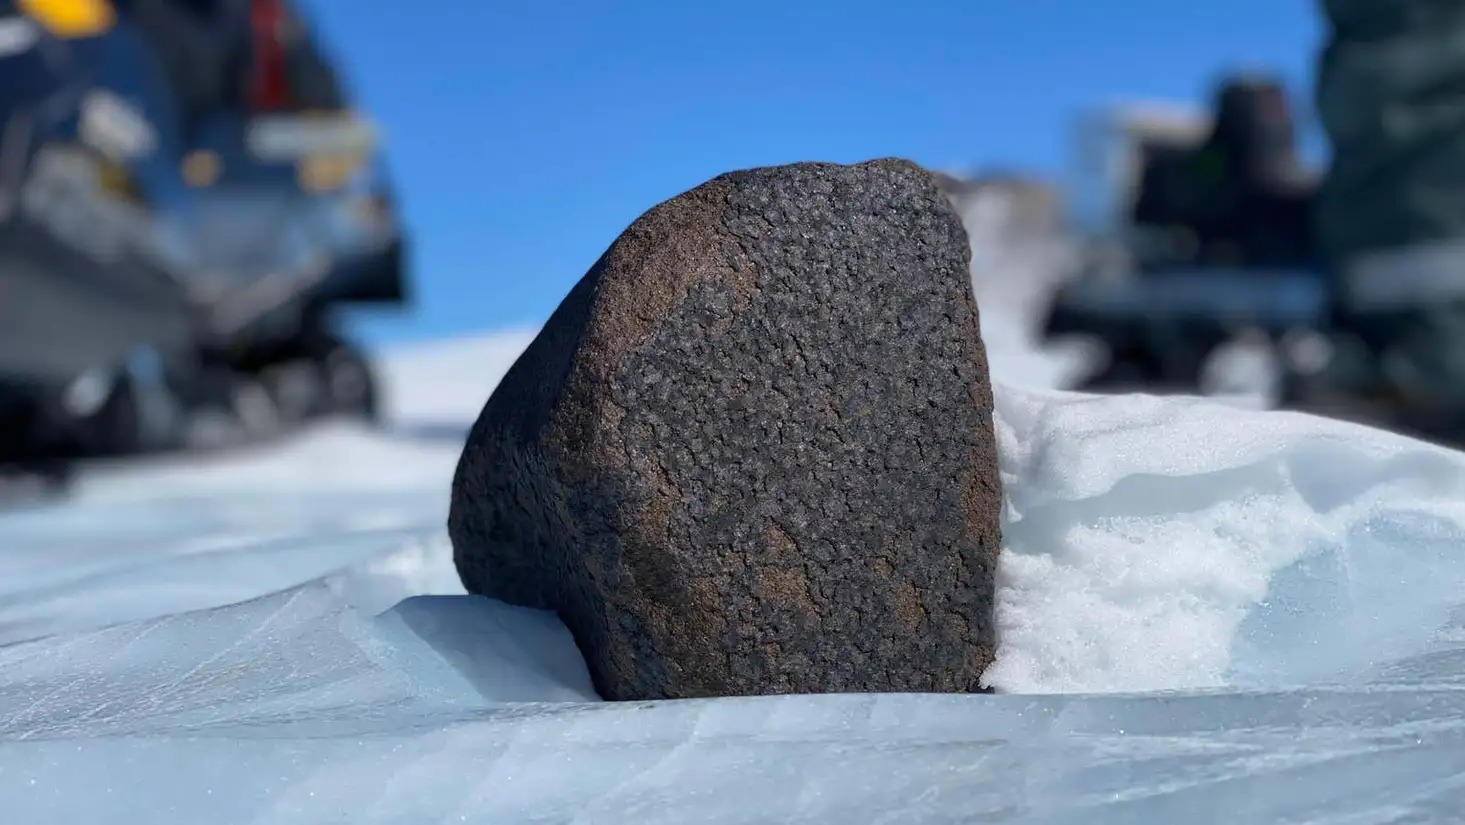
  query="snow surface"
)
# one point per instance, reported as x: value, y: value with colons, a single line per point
x: 1207, y: 613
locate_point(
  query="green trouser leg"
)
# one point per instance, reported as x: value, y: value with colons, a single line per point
x: 1390, y: 215
x: 1390, y: 94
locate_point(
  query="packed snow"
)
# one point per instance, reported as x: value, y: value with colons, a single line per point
x: 1206, y: 613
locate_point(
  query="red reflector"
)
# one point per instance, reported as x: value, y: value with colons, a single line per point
x: 270, y: 89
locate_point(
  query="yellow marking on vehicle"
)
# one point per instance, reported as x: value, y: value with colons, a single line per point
x: 71, y: 18
x: 328, y: 171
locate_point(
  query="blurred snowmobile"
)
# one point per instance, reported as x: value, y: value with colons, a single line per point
x: 185, y: 196
x: 1352, y: 282
x: 1197, y: 235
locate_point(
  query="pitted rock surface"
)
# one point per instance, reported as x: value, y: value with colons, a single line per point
x: 752, y: 451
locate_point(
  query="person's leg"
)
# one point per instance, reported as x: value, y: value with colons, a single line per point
x: 1390, y: 215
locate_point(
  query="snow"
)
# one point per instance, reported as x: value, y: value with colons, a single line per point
x: 1163, y: 543
x: 1208, y: 613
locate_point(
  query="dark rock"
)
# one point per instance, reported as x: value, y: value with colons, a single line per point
x: 752, y: 451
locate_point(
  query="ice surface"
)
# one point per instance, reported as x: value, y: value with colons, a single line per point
x: 1207, y: 614
x: 298, y: 708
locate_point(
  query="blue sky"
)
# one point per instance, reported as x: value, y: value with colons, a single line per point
x: 526, y: 135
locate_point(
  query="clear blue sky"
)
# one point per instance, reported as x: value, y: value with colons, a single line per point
x: 527, y: 134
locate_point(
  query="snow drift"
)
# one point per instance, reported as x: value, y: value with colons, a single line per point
x: 1166, y: 543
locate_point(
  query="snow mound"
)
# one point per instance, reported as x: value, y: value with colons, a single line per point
x: 1163, y: 543
x: 100, y: 561
x: 302, y: 655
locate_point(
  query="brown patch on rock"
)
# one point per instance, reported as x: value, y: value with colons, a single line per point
x: 908, y: 606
